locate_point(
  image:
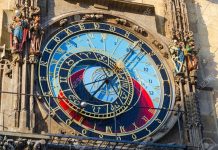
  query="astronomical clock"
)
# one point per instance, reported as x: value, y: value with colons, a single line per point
x: 106, y: 81
x: 100, y: 70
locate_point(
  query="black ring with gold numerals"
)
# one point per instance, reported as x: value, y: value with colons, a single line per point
x: 94, y: 107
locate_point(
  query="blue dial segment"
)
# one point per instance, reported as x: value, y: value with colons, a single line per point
x: 94, y: 77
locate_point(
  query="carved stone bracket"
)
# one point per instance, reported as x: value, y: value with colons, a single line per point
x: 2, y: 51
x: 6, y: 65
x: 157, y: 44
x: 33, y: 59
x: 93, y: 17
x: 34, y: 10
x: 16, y: 57
x: 63, y: 22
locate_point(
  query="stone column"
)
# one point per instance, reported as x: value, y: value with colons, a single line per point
x: 33, y: 61
x: 9, y: 96
x: 23, y: 113
x: 1, y: 109
x: 16, y: 87
x: 34, y: 3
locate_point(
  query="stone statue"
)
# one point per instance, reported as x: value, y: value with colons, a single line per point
x: 19, y: 30
x: 36, y: 33
x: 192, y: 62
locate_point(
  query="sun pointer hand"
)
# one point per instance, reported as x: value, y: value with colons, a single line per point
x: 106, y: 81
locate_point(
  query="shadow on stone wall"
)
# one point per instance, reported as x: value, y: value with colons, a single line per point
x: 47, y: 11
x: 207, y: 65
x: 122, y: 6
x: 160, y: 24
x: 7, y: 14
x: 41, y: 125
x: 213, y: 1
x: 207, y: 70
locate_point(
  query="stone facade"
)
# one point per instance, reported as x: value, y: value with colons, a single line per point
x: 21, y: 116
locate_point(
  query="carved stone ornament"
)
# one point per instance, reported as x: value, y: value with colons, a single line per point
x: 33, y: 59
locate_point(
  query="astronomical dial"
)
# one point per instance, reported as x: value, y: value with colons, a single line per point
x: 123, y: 86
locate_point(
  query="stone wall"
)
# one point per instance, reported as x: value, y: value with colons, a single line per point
x: 203, y: 17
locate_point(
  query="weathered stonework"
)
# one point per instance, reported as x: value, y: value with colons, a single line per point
x: 22, y: 113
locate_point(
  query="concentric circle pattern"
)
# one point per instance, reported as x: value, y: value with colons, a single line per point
x: 117, y: 77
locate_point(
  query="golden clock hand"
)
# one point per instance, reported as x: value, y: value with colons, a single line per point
x: 95, y: 81
x: 131, y: 50
x: 106, y: 81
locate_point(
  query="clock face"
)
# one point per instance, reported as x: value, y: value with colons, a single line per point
x: 105, y: 82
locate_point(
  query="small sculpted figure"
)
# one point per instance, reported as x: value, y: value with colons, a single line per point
x: 19, y: 30
x: 35, y: 35
x: 184, y: 42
